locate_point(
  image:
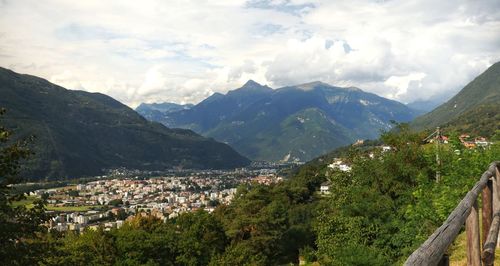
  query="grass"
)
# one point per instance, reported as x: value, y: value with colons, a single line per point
x: 51, y: 207
x: 28, y: 203
x: 458, y: 250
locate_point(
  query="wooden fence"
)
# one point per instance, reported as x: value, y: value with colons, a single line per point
x: 432, y: 251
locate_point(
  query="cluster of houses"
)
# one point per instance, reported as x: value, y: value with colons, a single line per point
x: 470, y: 143
x: 110, y: 202
x: 339, y: 165
x: 78, y: 221
x: 466, y: 140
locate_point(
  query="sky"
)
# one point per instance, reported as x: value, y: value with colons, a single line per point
x: 184, y: 51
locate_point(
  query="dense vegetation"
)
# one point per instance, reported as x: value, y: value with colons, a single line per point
x: 80, y: 133
x: 19, y: 226
x: 388, y: 206
x: 375, y: 215
x: 481, y: 121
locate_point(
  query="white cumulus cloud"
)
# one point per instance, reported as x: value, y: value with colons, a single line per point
x: 183, y: 51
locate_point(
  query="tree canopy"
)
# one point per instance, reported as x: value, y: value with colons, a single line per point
x: 18, y: 225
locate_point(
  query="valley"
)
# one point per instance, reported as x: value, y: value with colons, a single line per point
x: 252, y: 133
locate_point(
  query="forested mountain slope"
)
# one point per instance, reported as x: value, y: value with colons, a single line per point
x: 80, y: 133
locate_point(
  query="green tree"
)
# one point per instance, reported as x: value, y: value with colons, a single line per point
x: 115, y: 202
x: 19, y: 226
x: 200, y: 237
x: 137, y: 246
x: 73, y: 193
x: 268, y: 225
x: 365, y: 212
x: 92, y: 247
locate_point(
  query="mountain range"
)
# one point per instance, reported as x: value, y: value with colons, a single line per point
x: 79, y: 133
x: 425, y: 106
x: 473, y: 110
x: 157, y: 111
x: 291, y: 123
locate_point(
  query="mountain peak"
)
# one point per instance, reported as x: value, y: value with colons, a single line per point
x: 251, y: 83
x: 312, y: 85
x: 252, y: 86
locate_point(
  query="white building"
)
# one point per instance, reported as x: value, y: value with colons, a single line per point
x: 386, y: 148
x: 338, y: 164
x: 325, y: 188
x: 81, y: 219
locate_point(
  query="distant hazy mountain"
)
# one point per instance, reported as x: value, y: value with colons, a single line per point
x: 163, y: 107
x: 80, y: 133
x: 292, y: 123
x: 157, y: 111
x: 474, y: 109
x: 424, y: 106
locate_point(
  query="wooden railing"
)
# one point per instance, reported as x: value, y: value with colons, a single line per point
x: 432, y: 251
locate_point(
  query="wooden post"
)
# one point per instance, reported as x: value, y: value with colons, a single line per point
x: 487, y: 210
x: 496, y: 197
x: 472, y: 229
x: 488, y: 255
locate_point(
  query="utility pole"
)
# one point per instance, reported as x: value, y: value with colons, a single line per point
x: 438, y: 160
x: 437, y: 138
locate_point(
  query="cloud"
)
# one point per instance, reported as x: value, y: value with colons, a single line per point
x: 319, y: 58
x: 77, y: 32
x: 286, y: 6
x: 444, y: 44
x: 402, y: 83
x: 67, y: 79
x: 182, y: 51
x: 248, y: 66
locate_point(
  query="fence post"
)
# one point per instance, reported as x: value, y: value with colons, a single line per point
x: 487, y: 210
x: 496, y: 196
x: 496, y: 190
x: 488, y: 255
x: 472, y: 229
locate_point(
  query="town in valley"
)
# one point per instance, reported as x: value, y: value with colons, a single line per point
x: 108, y: 201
